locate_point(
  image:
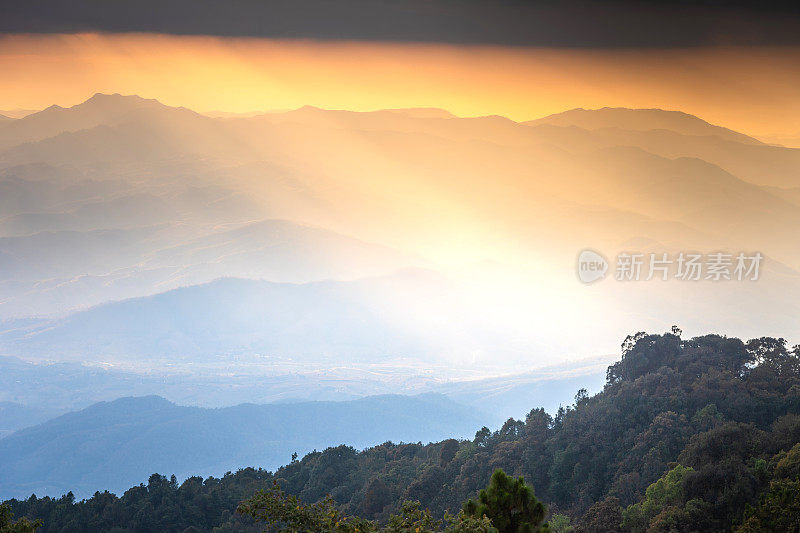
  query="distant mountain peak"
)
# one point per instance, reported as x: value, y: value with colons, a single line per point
x: 101, y: 96
x: 116, y: 96
x: 641, y: 119
x: 117, y: 99
x: 152, y: 401
x: 100, y: 109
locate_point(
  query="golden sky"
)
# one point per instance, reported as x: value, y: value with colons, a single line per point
x: 754, y: 90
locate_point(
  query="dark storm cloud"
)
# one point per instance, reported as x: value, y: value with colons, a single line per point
x: 510, y: 22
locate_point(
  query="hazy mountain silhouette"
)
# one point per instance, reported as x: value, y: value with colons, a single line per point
x: 31, y: 393
x: 271, y: 327
x: 97, y: 110
x: 51, y: 272
x: 17, y: 112
x: 321, y: 321
x: 641, y: 120
x: 114, y: 445
x: 279, y: 250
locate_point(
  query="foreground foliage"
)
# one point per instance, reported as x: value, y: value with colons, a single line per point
x: 9, y: 525
x: 687, y: 435
x: 506, y: 506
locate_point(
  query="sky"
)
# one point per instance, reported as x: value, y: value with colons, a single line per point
x: 562, y: 23
x: 751, y: 89
x: 732, y: 63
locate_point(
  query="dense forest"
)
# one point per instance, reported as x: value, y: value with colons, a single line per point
x: 687, y: 435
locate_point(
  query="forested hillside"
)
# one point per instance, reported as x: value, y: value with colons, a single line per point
x: 687, y: 435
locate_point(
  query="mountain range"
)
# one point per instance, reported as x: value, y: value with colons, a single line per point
x: 113, y: 445
x: 152, y: 237
x: 31, y: 393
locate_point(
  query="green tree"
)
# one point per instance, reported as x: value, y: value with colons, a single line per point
x: 510, y: 504
x: 602, y: 517
x: 778, y: 510
x: 23, y: 525
x: 463, y: 523
x: 788, y: 466
x: 285, y: 512
x: 377, y: 496
x: 559, y: 523
x: 448, y: 453
x: 413, y: 519
x: 666, y: 492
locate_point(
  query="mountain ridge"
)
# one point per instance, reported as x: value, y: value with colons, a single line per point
x: 100, y: 109
x: 269, y: 327
x: 113, y: 445
x: 678, y: 120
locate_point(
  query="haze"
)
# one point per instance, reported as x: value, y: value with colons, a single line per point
x: 406, y: 211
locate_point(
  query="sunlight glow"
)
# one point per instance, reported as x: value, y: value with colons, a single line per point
x: 746, y: 89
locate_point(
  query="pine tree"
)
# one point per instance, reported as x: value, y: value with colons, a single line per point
x: 510, y: 504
